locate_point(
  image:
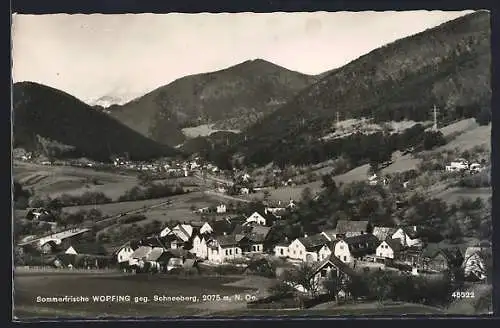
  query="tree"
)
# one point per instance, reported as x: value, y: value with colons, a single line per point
x: 333, y: 284
x: 484, y: 116
x: 267, y: 194
x: 303, y: 276
x: 327, y: 180
x: 380, y: 285
x: 306, y: 195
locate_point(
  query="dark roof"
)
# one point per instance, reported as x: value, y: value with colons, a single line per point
x: 364, y: 238
x: 197, y: 224
x: 229, y: 240
x: 315, y: 242
x: 260, y: 230
x: 89, y: 249
x: 335, y: 261
x: 255, y: 238
x: 222, y: 226
x: 394, y: 244
x: 344, y: 226
x: 155, y: 254
x: 453, y: 254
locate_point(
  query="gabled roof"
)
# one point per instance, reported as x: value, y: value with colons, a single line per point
x: 222, y: 226
x: 344, y: 226
x: 394, y: 244
x: 260, y: 230
x: 383, y: 233
x: 336, y: 262
x: 141, y: 252
x: 315, y: 242
x: 155, y: 254
x: 363, y: 239
x: 227, y: 241
x: 477, y: 250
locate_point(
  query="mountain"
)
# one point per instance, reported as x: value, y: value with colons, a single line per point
x: 448, y: 66
x: 107, y: 101
x: 232, y: 98
x: 41, y: 111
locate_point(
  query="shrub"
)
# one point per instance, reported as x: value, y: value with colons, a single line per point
x: 132, y: 219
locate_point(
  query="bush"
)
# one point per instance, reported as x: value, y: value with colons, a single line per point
x: 132, y: 219
x: 150, y: 191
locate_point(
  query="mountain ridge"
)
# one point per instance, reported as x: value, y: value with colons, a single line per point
x: 43, y: 111
x: 247, y: 90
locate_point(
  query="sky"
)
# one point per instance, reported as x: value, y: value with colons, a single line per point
x: 126, y: 56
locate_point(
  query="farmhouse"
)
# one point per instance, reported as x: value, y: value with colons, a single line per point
x: 409, y: 236
x: 139, y: 255
x: 49, y: 247
x: 436, y: 259
x: 355, y: 247
x: 307, y: 249
x: 224, y: 248
x: 222, y: 226
x: 153, y: 256
x: 281, y: 249
x: 256, y: 218
x: 328, y: 267
x: 87, y: 249
x: 165, y: 231
x: 389, y: 248
x: 123, y: 253
x: 347, y: 228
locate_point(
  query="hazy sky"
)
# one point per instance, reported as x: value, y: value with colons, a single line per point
x: 90, y: 56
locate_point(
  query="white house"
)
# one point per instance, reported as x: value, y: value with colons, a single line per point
x: 124, y: 253
x: 256, y: 218
x: 200, y: 248
x: 342, y: 252
x: 389, y: 248
x: 307, y: 249
x: 244, y: 191
x: 332, y: 266
x: 206, y: 228
x: 458, y: 165
x: 408, y: 235
x: 221, y: 208
x: 224, y: 248
x: 324, y: 253
x: 281, y: 249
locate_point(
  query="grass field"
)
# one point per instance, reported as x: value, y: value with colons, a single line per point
x: 29, y: 286
x: 179, y: 209
x: 452, y: 195
x: 55, y: 180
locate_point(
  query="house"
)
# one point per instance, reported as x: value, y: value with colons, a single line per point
x: 409, y: 236
x: 50, y: 247
x: 436, y: 258
x: 383, y: 233
x: 86, y: 249
x: 256, y: 218
x: 307, y: 249
x: 224, y: 248
x: 477, y: 261
x: 200, y: 248
x: 325, y: 252
x: 171, y: 241
x: 332, y: 266
x: 183, y: 231
x: 245, y: 191
x: 281, y: 249
x: 347, y: 228
x: 123, y: 253
x: 203, y: 228
x: 389, y: 248
x: 221, y: 208
x: 349, y: 249
x: 252, y: 243
x: 222, y: 226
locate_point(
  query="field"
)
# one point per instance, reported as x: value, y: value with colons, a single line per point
x: 452, y: 195
x: 55, y: 180
x: 28, y: 286
x: 178, y: 209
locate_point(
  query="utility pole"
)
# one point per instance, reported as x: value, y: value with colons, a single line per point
x: 435, y: 112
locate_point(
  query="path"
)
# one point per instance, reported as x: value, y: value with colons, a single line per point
x: 214, y: 193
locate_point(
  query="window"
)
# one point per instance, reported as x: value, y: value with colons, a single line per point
x: 253, y: 248
x: 324, y: 273
x: 345, y: 258
x: 120, y: 257
x: 341, y: 247
x: 236, y: 251
x: 281, y: 251
x: 227, y: 252
x: 300, y: 253
x: 294, y: 252
x: 230, y: 252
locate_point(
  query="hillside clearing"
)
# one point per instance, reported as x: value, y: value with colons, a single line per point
x: 203, y: 130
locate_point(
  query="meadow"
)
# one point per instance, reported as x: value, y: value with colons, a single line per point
x: 29, y: 286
